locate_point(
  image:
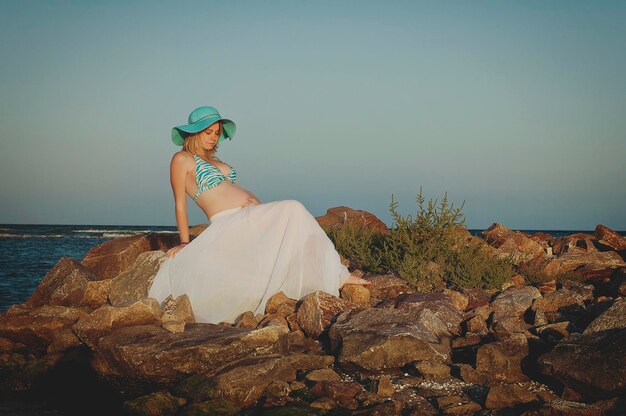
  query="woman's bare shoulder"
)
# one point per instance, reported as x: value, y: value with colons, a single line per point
x: 182, y: 156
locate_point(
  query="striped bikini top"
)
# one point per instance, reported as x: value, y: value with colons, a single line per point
x: 209, y: 176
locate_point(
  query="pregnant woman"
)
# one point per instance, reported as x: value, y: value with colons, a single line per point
x: 251, y: 250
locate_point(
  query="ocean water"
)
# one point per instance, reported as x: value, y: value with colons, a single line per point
x: 28, y: 252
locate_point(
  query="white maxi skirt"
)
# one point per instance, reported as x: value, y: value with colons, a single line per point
x: 245, y: 256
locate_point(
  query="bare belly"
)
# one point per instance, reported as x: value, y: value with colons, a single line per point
x: 224, y: 196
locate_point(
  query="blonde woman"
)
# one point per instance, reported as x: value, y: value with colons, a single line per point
x: 250, y: 250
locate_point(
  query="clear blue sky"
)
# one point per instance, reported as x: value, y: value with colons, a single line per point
x: 517, y: 108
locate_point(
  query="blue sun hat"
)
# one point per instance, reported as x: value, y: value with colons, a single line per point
x: 200, y: 119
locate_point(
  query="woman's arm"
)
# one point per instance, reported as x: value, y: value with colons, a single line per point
x: 178, y: 173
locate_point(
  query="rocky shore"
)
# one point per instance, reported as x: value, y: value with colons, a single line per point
x: 89, y: 341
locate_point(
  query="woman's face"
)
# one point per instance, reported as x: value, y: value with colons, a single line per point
x: 210, y: 135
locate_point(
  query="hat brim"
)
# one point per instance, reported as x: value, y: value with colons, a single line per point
x: 180, y: 132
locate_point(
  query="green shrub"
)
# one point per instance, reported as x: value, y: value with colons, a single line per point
x: 424, y: 250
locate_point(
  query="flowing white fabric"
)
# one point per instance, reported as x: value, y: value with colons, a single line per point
x: 248, y: 254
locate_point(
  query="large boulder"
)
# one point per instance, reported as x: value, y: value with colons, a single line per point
x: 338, y: 216
x: 40, y: 327
x: 317, y: 310
x: 441, y: 305
x: 592, y: 364
x: 69, y: 283
x: 514, y: 244
x: 577, y: 261
x: 107, y: 319
x: 502, y: 360
x: 612, y: 318
x: 110, y: 258
x: 609, y: 238
x: 379, y: 338
x: 512, y: 304
x: 245, y: 380
x: 134, y: 283
x: 573, y: 243
x: 149, y: 354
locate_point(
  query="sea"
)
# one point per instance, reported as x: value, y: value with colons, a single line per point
x: 29, y: 251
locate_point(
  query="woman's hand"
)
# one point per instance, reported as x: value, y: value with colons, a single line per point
x: 172, y: 251
x: 251, y: 200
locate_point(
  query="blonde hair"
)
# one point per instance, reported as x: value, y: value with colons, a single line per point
x: 192, y: 145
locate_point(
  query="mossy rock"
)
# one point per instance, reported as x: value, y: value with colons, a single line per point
x: 161, y: 403
x: 212, y: 408
x: 197, y: 388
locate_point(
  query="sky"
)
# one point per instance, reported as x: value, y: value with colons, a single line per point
x: 514, y: 108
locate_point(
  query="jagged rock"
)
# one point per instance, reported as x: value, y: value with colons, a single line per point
x: 591, y: 261
x: 246, y: 320
x: 592, y: 364
x: 459, y: 300
x: 274, y: 319
x: 245, y: 380
x: 133, y: 283
x: 554, y: 332
x: 513, y: 303
x: 317, y: 310
x: 515, y: 244
x: 562, y: 300
x: 440, y: 305
x: 279, y: 301
x: 432, y: 371
x: 69, y: 283
x: 502, y: 360
x: 342, y: 392
x: 147, y: 353
x: 610, y: 238
x: 384, y: 387
x: 585, y: 291
x: 176, y: 313
x: 457, y: 405
x: 339, y: 216
x: 213, y: 407
x: 161, y: 403
x: 509, y: 395
x: 109, y: 318
x: 476, y: 298
x: 357, y: 294
x: 375, y: 338
x: 110, y: 258
x: 612, y: 318
x: 384, y: 287
x: 197, y: 229
x: 325, y: 374
x: 39, y: 327
x: 573, y: 243
x: 570, y: 408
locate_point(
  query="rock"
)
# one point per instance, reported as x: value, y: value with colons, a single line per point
x: 217, y: 407
x: 110, y: 258
x: 590, y: 261
x: 196, y: 230
x: 176, y: 313
x: 501, y: 361
x: 339, y: 216
x: 384, y: 287
x: 69, y: 283
x: 384, y: 387
x: 107, y: 319
x: 612, y: 318
x: 317, y: 310
x: 357, y: 294
x: 554, y: 332
x: 140, y: 354
x: 133, y: 283
x: 476, y: 298
x: 325, y: 374
x: 274, y: 319
x: 592, y: 364
x: 439, y: 304
x: 432, y: 371
x: 459, y: 300
x: 573, y: 243
x: 457, y: 405
x: 39, y: 327
x: 549, y: 286
x: 515, y: 244
x: 476, y: 325
x: 342, y: 392
x: 562, y: 300
x: 585, y: 291
x: 245, y: 380
x: 513, y: 303
x: 375, y: 339
x: 246, y: 320
x: 274, y: 303
x: 509, y: 395
x: 610, y: 238
x: 161, y: 403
